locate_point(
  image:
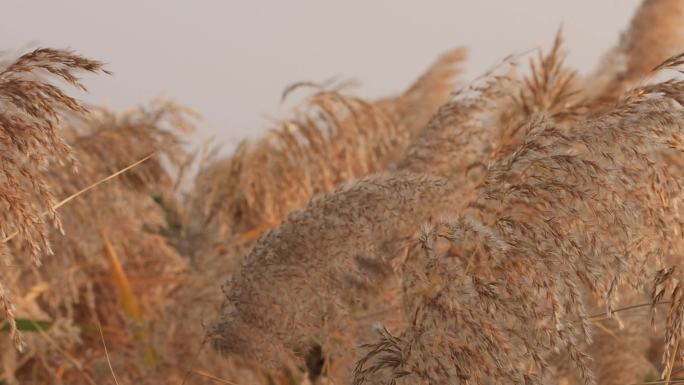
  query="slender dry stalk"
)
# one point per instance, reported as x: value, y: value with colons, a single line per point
x: 104, y: 345
x: 621, y: 351
x: 8, y: 313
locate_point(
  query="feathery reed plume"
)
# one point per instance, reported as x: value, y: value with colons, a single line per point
x: 621, y: 351
x: 492, y: 112
x: 416, y: 106
x: 654, y: 34
x: 541, y: 196
x: 340, y: 242
x: 30, y: 123
x: 459, y: 134
x: 550, y: 87
x: 29, y: 140
x: 137, y: 210
x: 323, y: 269
x: 333, y: 138
x: 574, y: 212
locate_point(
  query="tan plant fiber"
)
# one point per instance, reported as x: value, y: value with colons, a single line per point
x: 333, y: 138
x: 569, y: 213
x: 655, y: 33
x: 337, y: 253
x: 30, y: 111
x: 136, y: 213
x: 516, y: 230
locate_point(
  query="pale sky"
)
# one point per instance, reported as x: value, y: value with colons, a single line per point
x: 230, y: 60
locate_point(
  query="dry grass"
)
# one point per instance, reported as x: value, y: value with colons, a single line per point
x: 29, y: 123
x: 332, y: 138
x: 566, y: 215
x: 654, y: 34
x: 508, y: 232
x: 135, y: 212
x: 337, y: 253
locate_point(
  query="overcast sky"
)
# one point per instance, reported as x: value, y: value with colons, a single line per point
x: 231, y: 59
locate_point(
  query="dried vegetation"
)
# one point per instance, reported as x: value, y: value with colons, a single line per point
x: 524, y: 228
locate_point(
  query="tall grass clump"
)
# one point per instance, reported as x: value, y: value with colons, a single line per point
x: 569, y: 214
x: 332, y: 138
x: 31, y: 108
x: 524, y: 228
x: 327, y: 273
x: 117, y: 262
x: 655, y: 33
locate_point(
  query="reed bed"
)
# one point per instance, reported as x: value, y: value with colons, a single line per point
x: 523, y: 227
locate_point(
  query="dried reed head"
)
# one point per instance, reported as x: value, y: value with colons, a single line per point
x: 333, y: 138
x: 654, y: 34
x: 541, y: 198
x: 309, y: 270
x: 570, y: 213
x: 31, y: 108
x: 124, y: 225
x: 324, y: 273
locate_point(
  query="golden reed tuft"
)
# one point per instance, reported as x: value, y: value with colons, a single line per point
x: 516, y: 230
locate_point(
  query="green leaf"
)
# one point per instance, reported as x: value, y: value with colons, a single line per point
x: 28, y: 325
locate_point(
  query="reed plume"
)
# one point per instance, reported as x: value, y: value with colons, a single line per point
x: 516, y: 230
x: 333, y: 138
x: 337, y: 253
x: 136, y: 213
x: 567, y: 215
x: 29, y: 136
x: 654, y: 34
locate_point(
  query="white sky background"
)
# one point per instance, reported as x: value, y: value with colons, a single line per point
x: 230, y: 60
